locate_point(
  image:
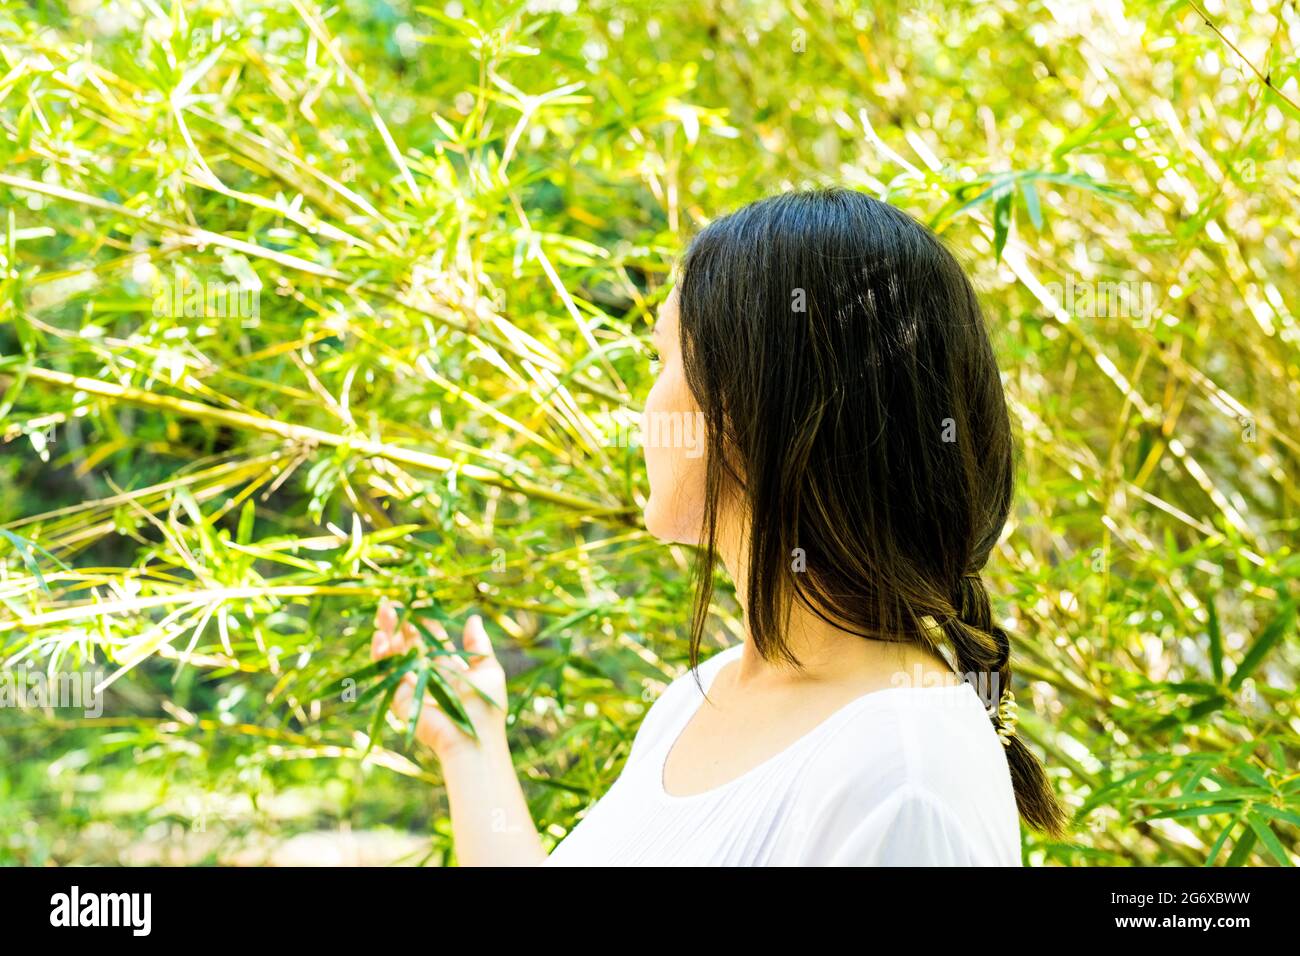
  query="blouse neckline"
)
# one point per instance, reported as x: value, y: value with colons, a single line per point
x: 837, y: 717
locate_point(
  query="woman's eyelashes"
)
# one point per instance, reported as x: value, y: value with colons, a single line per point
x: 656, y: 360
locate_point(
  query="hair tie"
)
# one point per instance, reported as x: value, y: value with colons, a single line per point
x: 1008, y: 715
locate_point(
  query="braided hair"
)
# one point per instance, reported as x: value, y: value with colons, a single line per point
x: 851, y: 395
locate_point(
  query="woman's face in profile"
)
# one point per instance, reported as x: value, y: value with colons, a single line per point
x: 672, y: 440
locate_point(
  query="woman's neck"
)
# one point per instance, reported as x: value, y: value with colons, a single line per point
x: 829, y: 654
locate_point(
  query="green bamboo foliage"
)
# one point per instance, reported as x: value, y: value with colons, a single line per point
x: 305, y: 306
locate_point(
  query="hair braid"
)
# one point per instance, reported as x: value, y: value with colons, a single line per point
x: 983, y: 650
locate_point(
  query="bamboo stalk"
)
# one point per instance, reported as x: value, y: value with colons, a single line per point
x: 315, y: 436
x: 445, y: 316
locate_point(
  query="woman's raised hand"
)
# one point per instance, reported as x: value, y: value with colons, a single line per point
x: 482, y: 671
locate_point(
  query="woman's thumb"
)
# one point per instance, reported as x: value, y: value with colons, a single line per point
x: 476, y: 639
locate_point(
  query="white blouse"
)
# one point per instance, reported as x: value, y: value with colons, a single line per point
x: 903, y: 776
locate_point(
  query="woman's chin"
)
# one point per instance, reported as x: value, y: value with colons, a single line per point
x: 654, y: 524
x: 668, y: 527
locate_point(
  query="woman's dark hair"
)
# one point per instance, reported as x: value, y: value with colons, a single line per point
x: 851, y: 395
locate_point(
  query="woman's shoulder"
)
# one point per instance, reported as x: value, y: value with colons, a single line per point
x: 709, y: 665
x: 681, y: 691
x: 685, y: 686
x: 904, y: 756
x: 934, y: 738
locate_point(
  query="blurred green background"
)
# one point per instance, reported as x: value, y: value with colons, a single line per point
x: 302, y: 306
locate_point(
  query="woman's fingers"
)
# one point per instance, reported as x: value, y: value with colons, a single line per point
x: 434, y: 725
x: 460, y: 671
x: 467, y: 673
x: 387, y: 639
x: 451, y: 659
x: 381, y: 642
x: 386, y: 615
x: 437, y: 630
x: 408, y: 638
x: 484, y: 673
x: 402, y: 697
x: 402, y: 704
x: 477, y: 643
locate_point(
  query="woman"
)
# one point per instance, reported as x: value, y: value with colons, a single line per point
x: 856, y: 474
